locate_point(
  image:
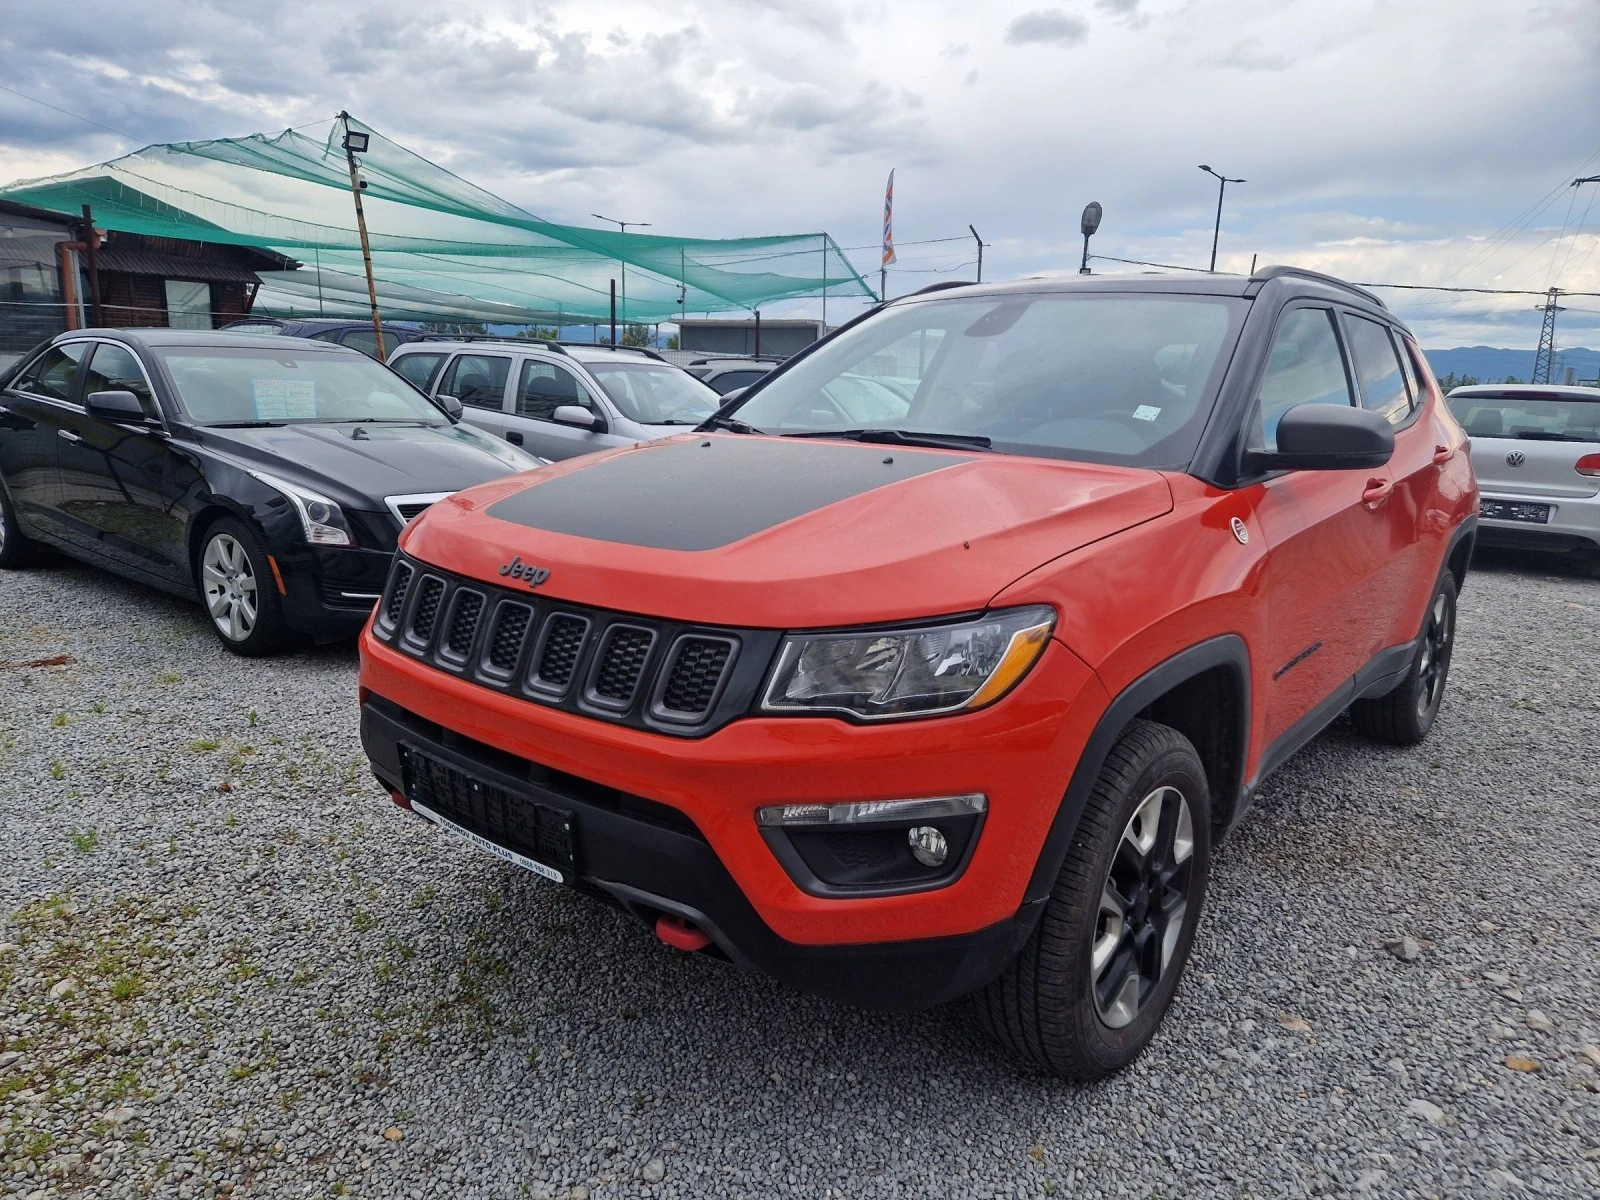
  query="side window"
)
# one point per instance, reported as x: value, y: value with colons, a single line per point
x: 1410, y: 357
x: 55, y: 372
x: 1383, y: 386
x: 363, y: 340
x: 115, y: 369
x: 728, y: 380
x: 188, y: 304
x: 545, y: 387
x: 326, y: 335
x: 418, y: 368
x: 1305, y: 367
x: 478, y: 380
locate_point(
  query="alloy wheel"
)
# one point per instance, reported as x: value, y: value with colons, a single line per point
x: 1435, y: 655
x: 1143, y: 905
x: 230, y: 587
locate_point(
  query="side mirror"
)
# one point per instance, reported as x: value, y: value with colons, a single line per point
x: 122, y: 407
x: 578, y: 417
x: 1329, y: 437
x: 452, y: 406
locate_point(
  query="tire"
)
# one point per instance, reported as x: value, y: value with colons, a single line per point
x: 1058, y: 1003
x: 238, y: 588
x: 1404, y: 716
x: 17, y: 549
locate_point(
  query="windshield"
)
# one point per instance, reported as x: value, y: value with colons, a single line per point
x: 248, y: 386
x: 1557, y: 418
x: 1110, y: 378
x: 655, y: 393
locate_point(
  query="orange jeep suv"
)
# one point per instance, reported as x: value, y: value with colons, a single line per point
x: 938, y: 660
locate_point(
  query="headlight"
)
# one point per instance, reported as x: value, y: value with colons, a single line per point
x: 321, y: 519
x: 909, y: 672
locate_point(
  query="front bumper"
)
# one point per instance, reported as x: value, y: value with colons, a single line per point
x: 329, y: 592
x: 1019, y: 752
x: 1573, y: 528
x: 650, y: 867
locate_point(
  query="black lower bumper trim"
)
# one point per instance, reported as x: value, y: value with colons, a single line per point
x: 651, y: 865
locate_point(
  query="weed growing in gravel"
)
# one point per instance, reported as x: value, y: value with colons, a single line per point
x: 170, y: 677
x: 99, y: 706
x: 230, y: 818
x: 126, y: 987
x: 59, y: 720
x: 364, y: 921
x: 58, y: 769
x: 204, y: 745
x: 423, y: 897
x: 85, y: 840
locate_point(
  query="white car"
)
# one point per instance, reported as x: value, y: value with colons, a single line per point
x: 1536, y: 451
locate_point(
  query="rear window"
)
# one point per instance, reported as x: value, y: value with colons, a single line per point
x: 1556, y: 418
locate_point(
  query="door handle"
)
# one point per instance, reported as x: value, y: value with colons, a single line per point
x: 1377, y: 492
x: 66, y: 435
x: 513, y: 437
x: 1442, y: 455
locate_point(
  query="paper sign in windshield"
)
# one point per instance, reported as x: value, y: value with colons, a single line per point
x: 284, y: 399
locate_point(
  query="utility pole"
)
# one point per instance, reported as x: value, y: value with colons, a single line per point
x: 979, y: 240
x: 613, y: 312
x: 1222, y: 186
x: 90, y: 246
x: 1545, y: 354
x: 356, y: 143
x: 622, y: 227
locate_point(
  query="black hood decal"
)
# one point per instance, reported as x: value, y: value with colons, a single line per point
x: 704, y: 494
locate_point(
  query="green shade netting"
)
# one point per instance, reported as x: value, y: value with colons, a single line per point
x: 442, y: 248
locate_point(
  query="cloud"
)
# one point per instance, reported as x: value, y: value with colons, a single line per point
x: 1249, y: 55
x: 1047, y: 25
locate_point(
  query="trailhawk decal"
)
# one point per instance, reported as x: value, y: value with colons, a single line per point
x: 704, y: 494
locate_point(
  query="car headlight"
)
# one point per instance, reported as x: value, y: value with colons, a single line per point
x: 322, y: 520
x: 918, y: 671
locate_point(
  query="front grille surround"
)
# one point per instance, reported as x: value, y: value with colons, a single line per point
x: 554, y: 653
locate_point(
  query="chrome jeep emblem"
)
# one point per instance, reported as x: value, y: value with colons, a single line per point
x: 1516, y: 458
x: 517, y: 569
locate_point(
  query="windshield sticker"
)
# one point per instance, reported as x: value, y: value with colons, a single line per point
x: 284, y: 399
x: 1146, y: 412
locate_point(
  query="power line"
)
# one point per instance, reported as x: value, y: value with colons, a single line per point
x: 1410, y: 287
x: 68, y: 113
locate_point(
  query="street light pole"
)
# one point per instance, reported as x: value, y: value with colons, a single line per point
x: 1222, y: 186
x: 622, y: 227
x: 356, y: 143
x: 979, y: 240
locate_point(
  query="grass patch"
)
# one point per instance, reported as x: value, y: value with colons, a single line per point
x: 59, y: 720
x: 85, y: 840
x: 58, y: 770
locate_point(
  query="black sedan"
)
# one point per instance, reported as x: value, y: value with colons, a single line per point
x: 268, y: 476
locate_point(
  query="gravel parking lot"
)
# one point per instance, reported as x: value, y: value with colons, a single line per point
x: 229, y: 965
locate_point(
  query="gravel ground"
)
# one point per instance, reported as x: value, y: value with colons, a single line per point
x: 229, y: 964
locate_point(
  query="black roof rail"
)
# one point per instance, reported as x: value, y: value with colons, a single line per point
x: 608, y: 346
x: 737, y: 358
x: 943, y: 285
x: 1278, y: 271
x: 546, y: 343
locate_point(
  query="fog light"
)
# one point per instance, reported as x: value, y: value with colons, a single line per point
x: 928, y: 845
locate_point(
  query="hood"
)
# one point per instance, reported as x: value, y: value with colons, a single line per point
x: 360, y: 464
x: 753, y: 531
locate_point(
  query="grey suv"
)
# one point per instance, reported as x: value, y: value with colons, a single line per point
x: 558, y: 400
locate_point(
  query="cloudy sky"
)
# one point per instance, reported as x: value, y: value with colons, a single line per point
x: 1405, y: 141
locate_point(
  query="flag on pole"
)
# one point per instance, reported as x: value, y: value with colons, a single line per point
x: 888, y: 221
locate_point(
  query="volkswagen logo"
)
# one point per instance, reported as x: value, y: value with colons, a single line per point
x: 1516, y: 458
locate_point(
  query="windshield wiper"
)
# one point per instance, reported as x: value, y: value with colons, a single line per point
x: 902, y: 437
x: 677, y: 422
x: 731, y: 424
x: 247, y: 425
x: 1542, y: 436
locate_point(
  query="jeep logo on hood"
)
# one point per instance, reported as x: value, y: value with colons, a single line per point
x: 517, y: 569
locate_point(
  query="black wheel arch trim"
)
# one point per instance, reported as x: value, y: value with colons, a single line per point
x: 1227, y: 651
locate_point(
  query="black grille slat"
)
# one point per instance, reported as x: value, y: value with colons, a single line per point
x: 696, y: 672
x: 647, y: 672
x: 563, y: 641
x: 410, y: 512
x: 505, y: 641
x: 427, y: 611
x: 399, y: 585
x: 622, y: 661
x: 464, y: 623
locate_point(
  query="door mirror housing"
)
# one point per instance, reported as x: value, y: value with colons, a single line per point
x: 579, y: 418
x: 452, y: 407
x: 1327, y: 437
x: 121, y: 407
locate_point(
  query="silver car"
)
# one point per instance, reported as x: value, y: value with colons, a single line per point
x: 1536, y: 451
x: 558, y: 400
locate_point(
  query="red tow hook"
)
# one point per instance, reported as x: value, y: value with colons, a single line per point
x: 675, y: 931
x: 400, y: 799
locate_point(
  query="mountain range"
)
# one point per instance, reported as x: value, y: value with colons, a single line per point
x: 1493, y: 364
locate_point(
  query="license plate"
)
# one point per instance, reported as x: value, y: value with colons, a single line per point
x: 517, y: 829
x: 1515, y: 510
